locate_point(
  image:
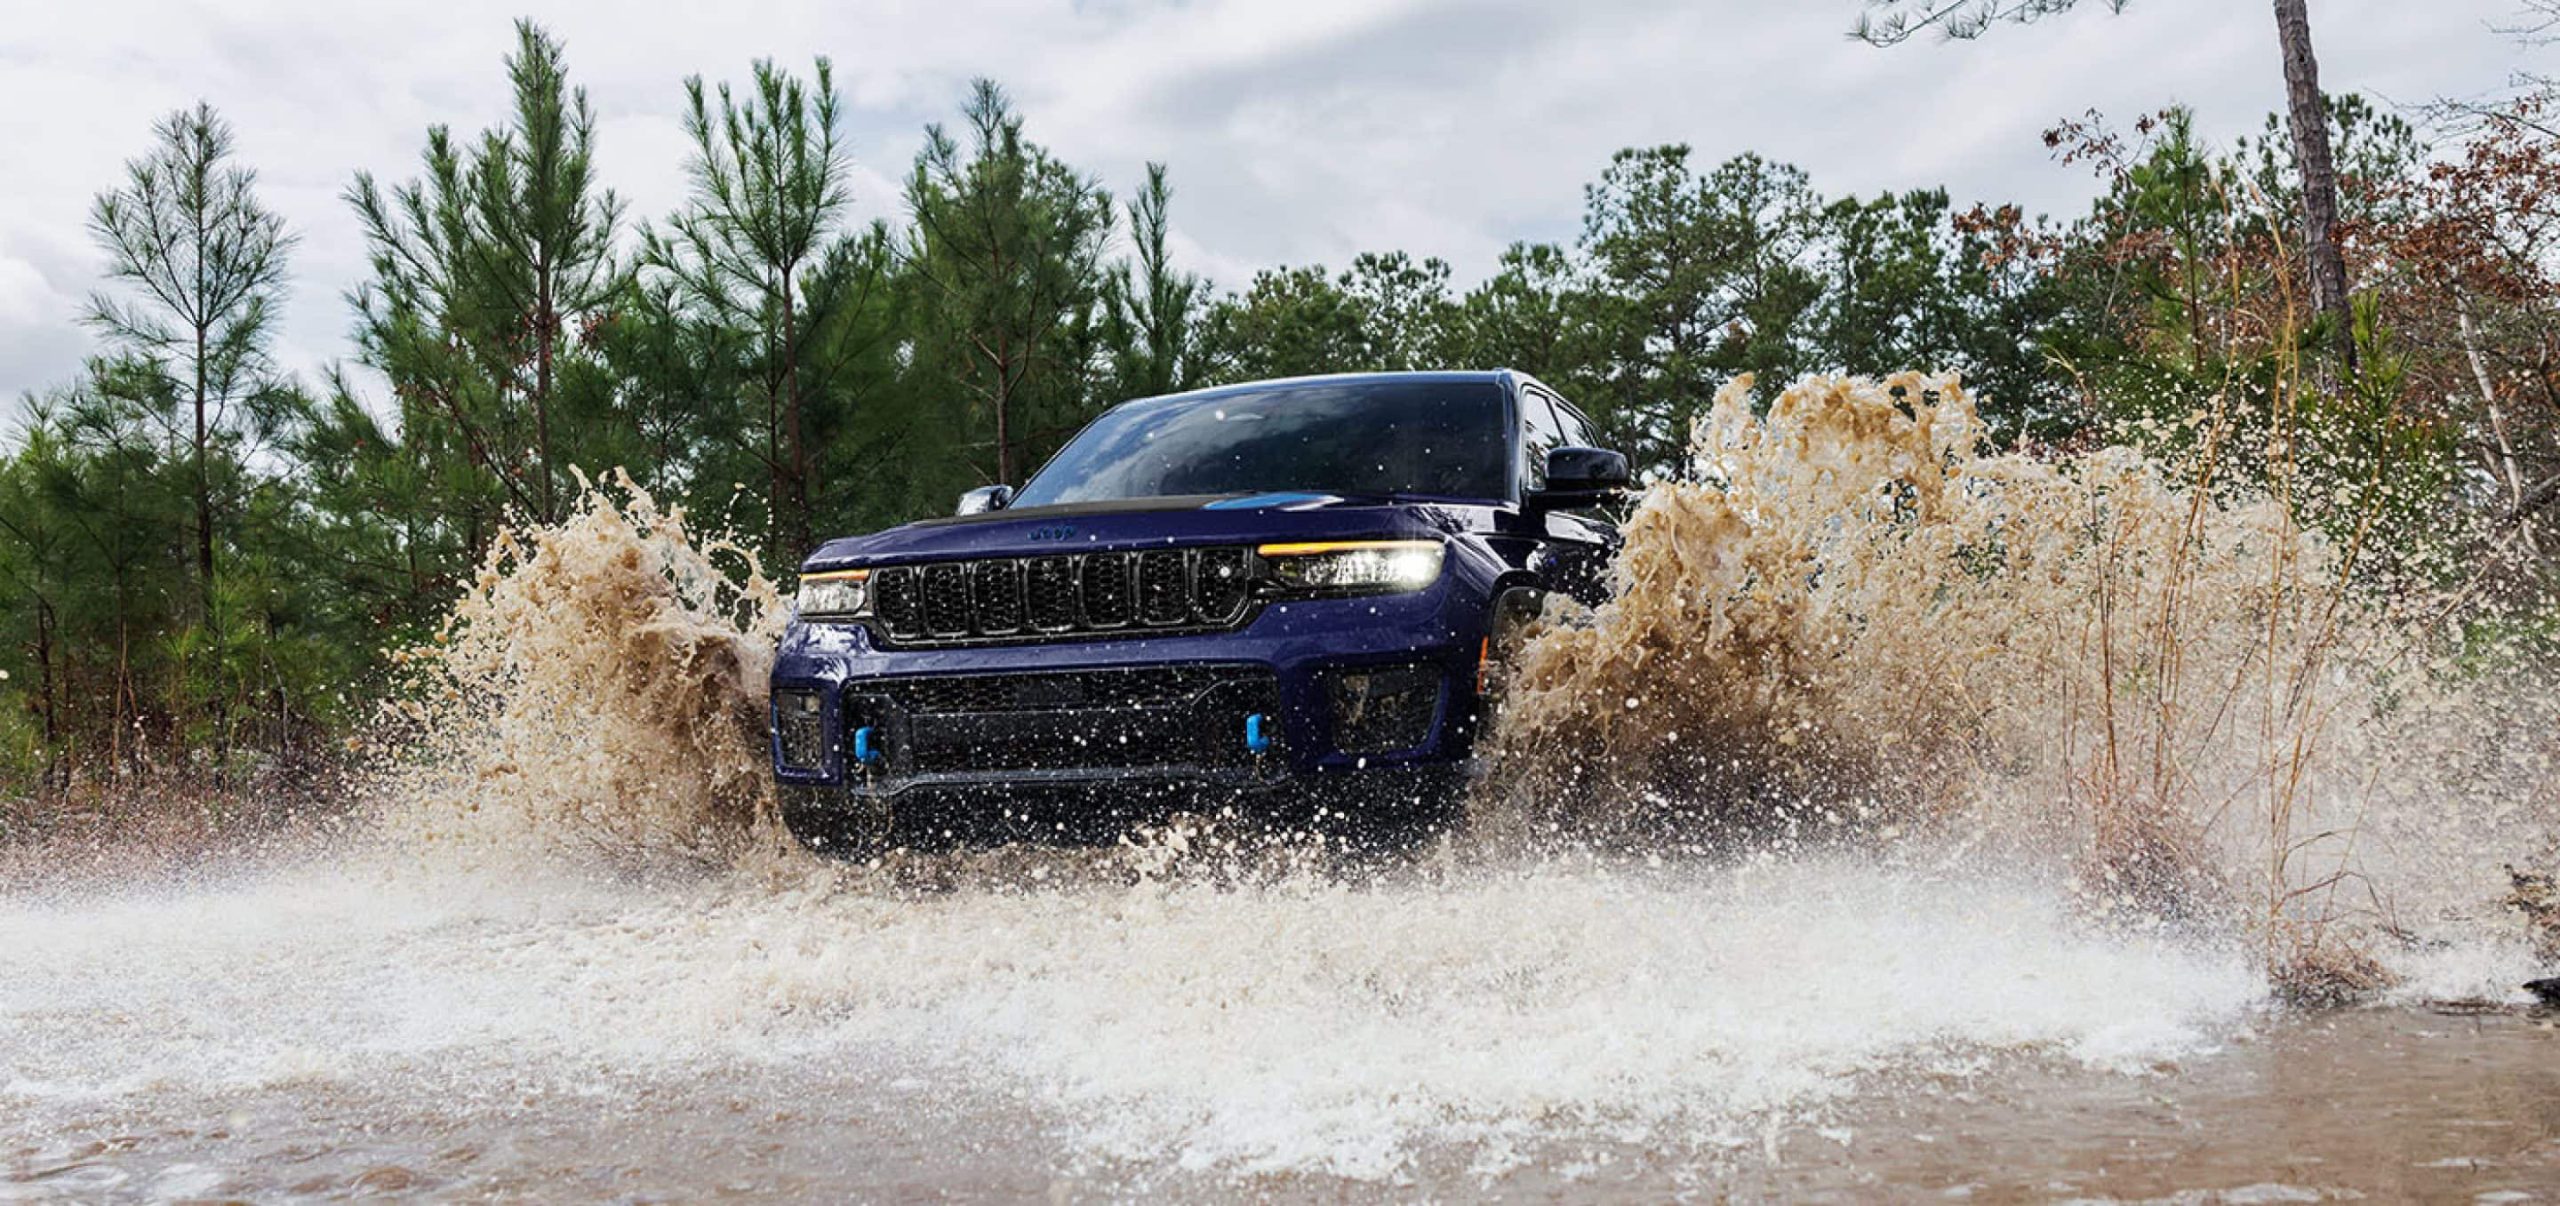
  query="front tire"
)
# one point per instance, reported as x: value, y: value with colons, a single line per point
x: 1515, y: 613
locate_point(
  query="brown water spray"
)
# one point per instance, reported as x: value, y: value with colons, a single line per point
x: 1856, y: 620
x: 600, y: 687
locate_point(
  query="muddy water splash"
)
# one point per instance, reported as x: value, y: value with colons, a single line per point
x: 1861, y: 620
x: 600, y: 687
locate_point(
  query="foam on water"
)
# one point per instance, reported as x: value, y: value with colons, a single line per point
x: 1309, y: 1024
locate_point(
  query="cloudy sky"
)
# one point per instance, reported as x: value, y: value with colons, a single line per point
x: 1297, y: 130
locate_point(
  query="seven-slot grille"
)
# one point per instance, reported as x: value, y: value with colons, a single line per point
x: 1035, y: 598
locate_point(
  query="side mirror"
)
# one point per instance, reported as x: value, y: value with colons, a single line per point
x: 985, y: 499
x: 1578, y: 477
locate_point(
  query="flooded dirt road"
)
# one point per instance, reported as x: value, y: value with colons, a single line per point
x: 1846, y: 1027
x: 2392, y: 1104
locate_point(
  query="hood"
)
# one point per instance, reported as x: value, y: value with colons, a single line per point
x: 1142, y: 523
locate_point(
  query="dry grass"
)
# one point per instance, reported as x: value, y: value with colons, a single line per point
x: 2535, y: 898
x: 2311, y: 966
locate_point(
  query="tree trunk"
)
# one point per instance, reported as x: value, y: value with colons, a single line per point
x: 2309, y: 116
x: 773, y: 475
x: 543, y: 323
x: 1004, y: 439
x: 1002, y: 363
x: 123, y: 695
x: 45, y: 691
x: 798, y: 527
x: 2497, y: 415
x: 204, y: 569
x: 777, y: 397
x: 204, y: 493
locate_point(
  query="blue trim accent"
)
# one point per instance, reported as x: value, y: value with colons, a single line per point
x: 865, y: 749
x: 1264, y: 502
x: 1257, y: 733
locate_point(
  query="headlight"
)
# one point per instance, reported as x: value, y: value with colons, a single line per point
x: 837, y: 594
x: 1354, y: 566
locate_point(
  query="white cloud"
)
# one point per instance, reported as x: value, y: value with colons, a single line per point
x: 1298, y: 131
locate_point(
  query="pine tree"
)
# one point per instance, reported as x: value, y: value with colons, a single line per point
x: 538, y: 208
x: 758, y: 263
x: 1151, y: 307
x: 203, y: 264
x: 1289, y: 322
x: 1702, y: 277
x: 485, y: 273
x: 1007, y: 257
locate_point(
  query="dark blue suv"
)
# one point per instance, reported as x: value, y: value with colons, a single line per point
x: 1287, y: 595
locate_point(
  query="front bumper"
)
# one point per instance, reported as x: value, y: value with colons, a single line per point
x: 1340, y: 686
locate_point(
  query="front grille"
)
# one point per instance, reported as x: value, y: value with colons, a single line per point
x: 1035, y: 598
x: 946, y: 601
x: 1149, y: 687
x: 1164, y: 718
x: 995, y: 592
x: 1049, y: 593
x: 898, y: 599
x: 1107, y: 590
x: 1164, y: 588
x: 1053, y: 745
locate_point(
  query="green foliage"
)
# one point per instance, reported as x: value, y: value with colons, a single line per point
x: 1006, y: 262
x: 1911, y: 283
x: 757, y: 306
x: 1387, y: 313
x: 1290, y: 322
x: 2192, y: 340
x: 1704, y: 277
x: 1150, y: 308
x: 489, y: 272
x: 1527, y: 315
x: 1890, y: 21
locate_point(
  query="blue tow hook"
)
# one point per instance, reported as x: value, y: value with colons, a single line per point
x: 1257, y: 733
x: 866, y: 745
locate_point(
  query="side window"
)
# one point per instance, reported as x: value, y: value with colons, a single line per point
x: 1576, y: 429
x: 1539, y: 431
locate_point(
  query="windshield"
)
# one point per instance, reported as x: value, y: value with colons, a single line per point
x: 1442, y: 438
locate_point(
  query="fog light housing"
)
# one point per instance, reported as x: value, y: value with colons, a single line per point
x: 1383, y: 709
x: 800, y: 730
